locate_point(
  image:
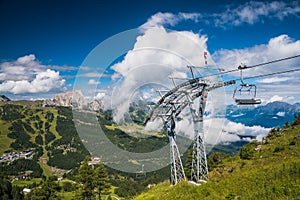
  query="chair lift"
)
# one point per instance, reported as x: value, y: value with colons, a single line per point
x: 245, y: 88
x: 141, y: 174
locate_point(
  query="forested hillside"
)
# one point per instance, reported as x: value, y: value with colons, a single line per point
x: 40, y: 144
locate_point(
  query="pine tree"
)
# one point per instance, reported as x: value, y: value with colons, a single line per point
x: 86, y: 179
x: 286, y: 124
x: 47, y: 191
x: 17, y: 193
x: 92, y: 181
x: 5, y: 188
x: 101, y: 180
x: 296, y: 119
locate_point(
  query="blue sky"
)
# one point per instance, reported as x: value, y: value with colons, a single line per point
x: 44, y: 43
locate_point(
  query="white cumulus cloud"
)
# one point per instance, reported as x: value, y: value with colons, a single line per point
x: 157, y: 54
x: 93, y: 82
x: 221, y: 130
x: 274, y: 79
x: 26, y: 75
x: 162, y: 19
x: 255, y: 12
x: 280, y: 114
x: 275, y: 98
x: 100, y: 95
x: 278, y: 47
x: 230, y: 131
x: 251, y: 12
x: 45, y: 81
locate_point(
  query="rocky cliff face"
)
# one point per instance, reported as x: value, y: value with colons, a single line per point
x: 96, y: 105
x: 74, y: 99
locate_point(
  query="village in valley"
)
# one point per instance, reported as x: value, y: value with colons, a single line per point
x: 11, y: 156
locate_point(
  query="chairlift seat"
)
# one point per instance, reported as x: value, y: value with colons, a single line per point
x: 247, y: 101
x: 140, y: 175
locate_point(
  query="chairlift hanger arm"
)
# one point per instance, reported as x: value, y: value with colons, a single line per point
x: 245, y: 87
x: 177, y: 93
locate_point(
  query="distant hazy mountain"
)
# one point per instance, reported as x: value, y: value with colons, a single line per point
x: 139, y: 111
x: 297, y: 105
x: 269, y: 115
x: 273, y: 114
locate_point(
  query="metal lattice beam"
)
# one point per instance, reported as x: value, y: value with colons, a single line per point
x: 177, y: 171
x: 199, y: 170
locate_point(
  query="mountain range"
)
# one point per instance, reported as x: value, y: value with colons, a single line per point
x: 74, y: 99
x: 270, y: 115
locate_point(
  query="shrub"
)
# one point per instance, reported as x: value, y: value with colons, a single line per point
x: 68, y: 187
x: 248, y: 151
x: 215, y: 159
x: 278, y: 148
x: 293, y: 142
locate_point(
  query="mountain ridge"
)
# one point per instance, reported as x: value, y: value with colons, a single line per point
x: 270, y: 115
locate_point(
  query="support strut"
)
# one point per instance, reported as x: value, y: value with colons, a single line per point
x: 177, y: 172
x: 199, y: 170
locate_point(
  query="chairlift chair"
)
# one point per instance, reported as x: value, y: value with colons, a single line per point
x: 244, y: 88
x: 141, y: 174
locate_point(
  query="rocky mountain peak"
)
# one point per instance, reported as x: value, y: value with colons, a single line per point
x: 74, y: 99
x: 96, y: 105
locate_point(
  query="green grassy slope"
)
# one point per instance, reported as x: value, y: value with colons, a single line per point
x: 266, y: 170
x: 4, y: 140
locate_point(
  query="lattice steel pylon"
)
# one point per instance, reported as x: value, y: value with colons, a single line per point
x: 199, y: 169
x: 177, y: 171
x: 170, y: 105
